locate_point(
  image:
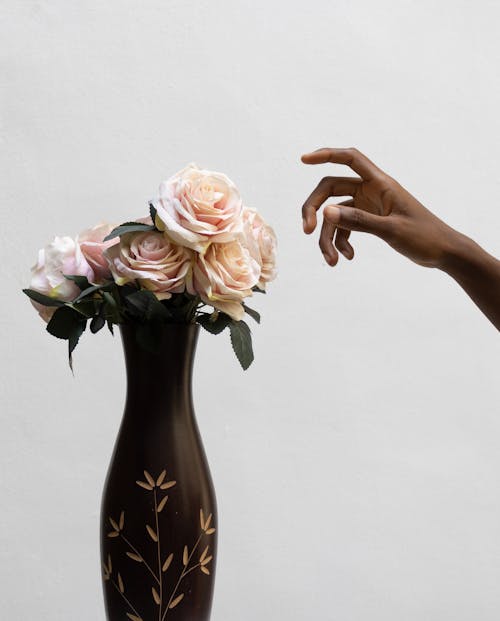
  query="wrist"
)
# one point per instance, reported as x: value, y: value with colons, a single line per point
x: 462, y: 257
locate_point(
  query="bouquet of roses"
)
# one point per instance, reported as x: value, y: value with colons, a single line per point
x: 195, y: 259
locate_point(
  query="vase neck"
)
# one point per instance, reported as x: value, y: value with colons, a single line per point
x: 162, y: 380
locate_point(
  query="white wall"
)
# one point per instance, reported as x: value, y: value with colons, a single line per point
x: 357, y: 463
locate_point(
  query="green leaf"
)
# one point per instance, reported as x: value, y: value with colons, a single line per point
x: 214, y: 325
x: 73, y: 341
x: 66, y: 322
x: 129, y: 227
x: 80, y: 281
x: 241, y: 340
x: 152, y: 212
x: 253, y: 313
x: 93, y: 289
x: 85, y: 308
x: 110, y: 327
x: 98, y: 322
x: 145, y: 306
x: 258, y: 290
x: 42, y: 299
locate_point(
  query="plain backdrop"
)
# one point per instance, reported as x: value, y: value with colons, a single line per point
x: 357, y: 463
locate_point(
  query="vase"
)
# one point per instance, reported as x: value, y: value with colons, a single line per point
x: 158, y: 512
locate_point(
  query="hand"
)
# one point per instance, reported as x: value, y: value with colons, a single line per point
x: 379, y: 205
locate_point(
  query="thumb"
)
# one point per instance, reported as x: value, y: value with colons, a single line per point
x: 354, y: 219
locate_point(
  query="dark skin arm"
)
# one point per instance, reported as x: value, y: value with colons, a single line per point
x: 380, y: 206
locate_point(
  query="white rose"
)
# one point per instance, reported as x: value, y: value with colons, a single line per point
x: 196, y: 207
x: 262, y: 243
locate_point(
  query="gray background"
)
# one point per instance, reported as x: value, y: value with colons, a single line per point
x: 357, y: 463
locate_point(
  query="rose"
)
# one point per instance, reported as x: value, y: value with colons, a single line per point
x: 62, y: 256
x: 92, y: 245
x: 196, y: 207
x: 225, y: 275
x: 153, y: 261
x: 262, y: 243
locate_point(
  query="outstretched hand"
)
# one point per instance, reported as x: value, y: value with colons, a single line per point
x: 378, y: 205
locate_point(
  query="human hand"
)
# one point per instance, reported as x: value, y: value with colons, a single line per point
x: 380, y: 206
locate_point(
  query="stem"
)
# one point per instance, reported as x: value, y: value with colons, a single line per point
x: 159, y: 558
x: 125, y: 598
x: 139, y: 554
x: 184, y: 573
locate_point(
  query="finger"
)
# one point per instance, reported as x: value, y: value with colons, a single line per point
x: 328, y: 186
x: 353, y: 158
x: 342, y: 238
x: 354, y: 219
x: 325, y: 242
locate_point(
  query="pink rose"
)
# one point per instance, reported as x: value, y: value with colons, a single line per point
x: 196, y: 207
x: 92, y: 245
x: 262, y: 243
x: 153, y: 261
x: 225, y: 275
x: 61, y: 256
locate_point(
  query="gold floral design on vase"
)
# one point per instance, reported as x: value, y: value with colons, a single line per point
x: 165, y: 594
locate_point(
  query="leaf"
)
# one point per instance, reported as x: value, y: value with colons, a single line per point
x: 207, y: 522
x: 152, y: 212
x: 80, y: 281
x: 113, y: 533
x: 148, y: 336
x: 185, y: 556
x: 168, y: 485
x: 167, y: 562
x: 202, y: 519
x: 133, y: 617
x: 134, y: 557
x: 253, y: 313
x: 152, y: 533
x: 144, y: 305
x: 122, y: 520
x: 110, y: 566
x: 241, y: 340
x: 149, y: 478
x: 144, y: 485
x: 128, y: 227
x: 207, y: 560
x: 159, y: 480
x: 114, y: 524
x: 42, y: 299
x: 258, y: 290
x: 91, y: 289
x: 176, y: 601
x: 156, y: 597
x: 162, y: 504
x: 65, y: 322
x: 205, y: 570
x: 214, y: 327
x: 210, y: 531
x: 85, y: 307
x: 120, y: 584
x: 203, y: 556
x: 97, y: 323
x: 110, y: 327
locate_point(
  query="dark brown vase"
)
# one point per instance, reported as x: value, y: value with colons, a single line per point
x: 158, y: 513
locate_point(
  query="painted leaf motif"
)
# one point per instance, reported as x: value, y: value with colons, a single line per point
x: 162, y: 476
x: 167, y: 562
x: 134, y: 557
x: 210, y: 531
x: 205, y: 570
x: 152, y: 533
x: 114, y: 524
x: 207, y: 560
x: 144, y: 485
x: 176, y: 601
x: 168, y: 485
x: 207, y: 523
x: 149, y: 478
x: 113, y: 533
x: 185, y: 556
x: 203, y: 556
x: 133, y: 617
x: 156, y: 597
x: 120, y: 584
x: 110, y: 566
x: 122, y: 520
x: 162, y: 504
x: 202, y: 520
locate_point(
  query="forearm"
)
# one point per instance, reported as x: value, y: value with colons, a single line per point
x: 477, y: 272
